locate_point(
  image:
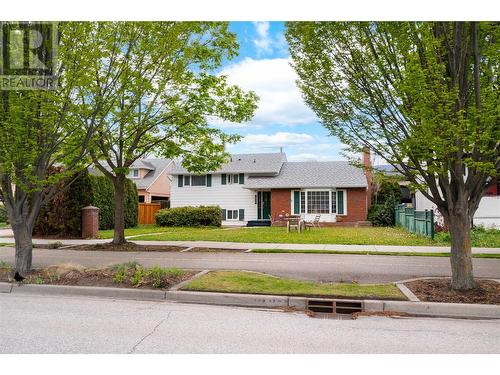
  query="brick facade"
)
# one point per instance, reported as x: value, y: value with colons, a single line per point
x: 356, y: 205
x: 281, y: 200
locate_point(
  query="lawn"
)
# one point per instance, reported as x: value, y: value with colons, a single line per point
x: 331, y: 235
x: 257, y: 283
x: 390, y: 253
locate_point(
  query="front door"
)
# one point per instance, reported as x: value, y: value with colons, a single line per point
x: 263, y: 205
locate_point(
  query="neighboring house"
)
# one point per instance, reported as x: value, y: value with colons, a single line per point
x: 488, y: 212
x: 152, y: 178
x: 252, y: 189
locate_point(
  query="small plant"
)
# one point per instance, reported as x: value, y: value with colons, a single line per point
x: 53, y: 277
x: 132, y: 264
x: 175, y: 272
x: 39, y: 280
x: 137, y: 276
x: 5, y: 266
x: 157, y: 273
x: 120, y: 274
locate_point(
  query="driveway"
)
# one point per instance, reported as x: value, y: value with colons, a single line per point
x: 322, y: 267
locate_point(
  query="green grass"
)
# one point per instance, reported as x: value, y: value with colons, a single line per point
x: 251, y: 282
x: 394, y: 253
x: 330, y: 235
x: 4, y: 225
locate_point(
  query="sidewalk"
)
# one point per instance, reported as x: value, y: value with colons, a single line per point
x: 246, y: 245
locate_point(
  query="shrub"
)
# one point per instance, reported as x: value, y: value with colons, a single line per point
x: 381, y: 215
x: 62, y: 215
x: 3, y: 214
x: 189, y: 216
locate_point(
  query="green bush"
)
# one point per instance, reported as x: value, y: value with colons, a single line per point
x: 381, y: 215
x: 189, y: 216
x: 62, y: 215
x: 3, y: 214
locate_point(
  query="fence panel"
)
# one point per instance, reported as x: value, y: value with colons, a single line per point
x: 147, y: 212
x: 420, y: 222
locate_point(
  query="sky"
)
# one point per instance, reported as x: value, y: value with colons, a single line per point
x: 282, y: 118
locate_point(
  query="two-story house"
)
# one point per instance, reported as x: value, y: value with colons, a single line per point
x: 152, y: 178
x: 255, y: 189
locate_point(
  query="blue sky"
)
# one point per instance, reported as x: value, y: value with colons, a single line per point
x: 282, y: 119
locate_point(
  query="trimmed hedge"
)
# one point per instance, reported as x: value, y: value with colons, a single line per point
x: 189, y: 216
x: 62, y: 216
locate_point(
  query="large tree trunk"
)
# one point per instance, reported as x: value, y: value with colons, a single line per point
x: 24, y: 247
x: 119, y: 187
x: 462, y: 276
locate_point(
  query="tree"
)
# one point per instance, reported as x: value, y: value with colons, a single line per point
x: 39, y: 134
x: 163, y: 93
x: 423, y: 96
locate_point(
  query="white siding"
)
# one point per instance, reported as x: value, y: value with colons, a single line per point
x: 487, y: 214
x: 228, y: 197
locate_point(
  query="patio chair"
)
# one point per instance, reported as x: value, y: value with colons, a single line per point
x: 314, y: 223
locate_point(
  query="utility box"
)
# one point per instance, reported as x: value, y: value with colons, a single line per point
x: 90, y: 222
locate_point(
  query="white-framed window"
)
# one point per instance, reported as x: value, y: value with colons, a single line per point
x: 322, y: 201
x: 334, y: 202
x: 233, y: 178
x: 232, y: 214
x: 199, y: 180
x: 318, y: 202
x: 134, y: 173
x: 187, y: 180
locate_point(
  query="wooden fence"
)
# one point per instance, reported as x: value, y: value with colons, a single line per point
x: 420, y: 222
x: 147, y: 212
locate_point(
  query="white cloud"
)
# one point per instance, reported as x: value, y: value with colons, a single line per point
x: 273, y: 80
x: 277, y: 139
x: 264, y: 41
x: 309, y: 157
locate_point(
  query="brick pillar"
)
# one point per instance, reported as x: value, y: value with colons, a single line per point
x: 90, y: 222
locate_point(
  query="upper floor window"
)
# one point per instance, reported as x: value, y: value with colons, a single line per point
x: 199, y: 180
x: 134, y: 173
x: 233, y: 178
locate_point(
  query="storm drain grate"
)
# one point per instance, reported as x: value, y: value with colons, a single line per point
x: 334, y: 306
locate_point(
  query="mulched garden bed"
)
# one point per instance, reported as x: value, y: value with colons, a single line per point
x: 127, y: 275
x: 439, y: 290
x: 129, y: 246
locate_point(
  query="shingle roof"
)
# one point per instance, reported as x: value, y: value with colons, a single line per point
x: 269, y: 163
x: 158, y: 164
x: 155, y: 167
x: 312, y: 174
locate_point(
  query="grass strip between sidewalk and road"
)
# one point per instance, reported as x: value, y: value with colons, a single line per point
x: 257, y: 283
x: 393, y: 253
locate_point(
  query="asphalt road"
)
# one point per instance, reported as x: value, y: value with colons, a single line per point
x: 322, y: 267
x: 42, y: 324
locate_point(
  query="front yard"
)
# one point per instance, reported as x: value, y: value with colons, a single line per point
x: 331, y: 235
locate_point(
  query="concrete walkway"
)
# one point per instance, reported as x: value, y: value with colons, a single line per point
x: 6, y: 237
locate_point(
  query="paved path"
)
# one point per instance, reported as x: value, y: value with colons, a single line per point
x: 71, y: 325
x: 245, y: 245
x: 323, y: 267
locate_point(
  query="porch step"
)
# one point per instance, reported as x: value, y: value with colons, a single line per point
x: 259, y: 223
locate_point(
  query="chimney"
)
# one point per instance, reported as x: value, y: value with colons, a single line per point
x: 368, y: 173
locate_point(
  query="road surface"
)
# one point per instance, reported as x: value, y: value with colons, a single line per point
x: 43, y: 324
x: 320, y: 267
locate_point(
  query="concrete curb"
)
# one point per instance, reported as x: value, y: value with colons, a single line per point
x: 407, y: 292
x: 70, y: 290
x: 429, y: 309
